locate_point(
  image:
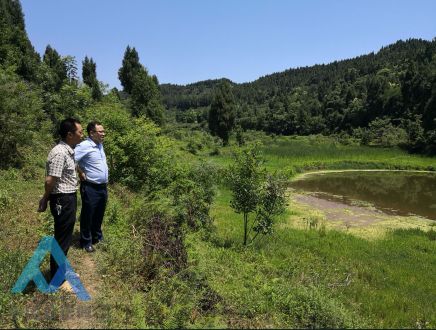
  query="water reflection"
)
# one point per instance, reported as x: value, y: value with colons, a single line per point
x: 400, y: 193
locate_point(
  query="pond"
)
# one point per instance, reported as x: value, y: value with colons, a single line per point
x: 393, y: 192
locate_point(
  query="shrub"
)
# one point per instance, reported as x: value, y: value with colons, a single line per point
x: 181, y: 301
x: 162, y: 236
x: 310, y: 308
x: 193, y: 195
x: 5, y: 199
x: 21, y: 119
x: 255, y: 191
x: 381, y: 132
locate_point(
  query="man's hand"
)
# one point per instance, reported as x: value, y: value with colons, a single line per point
x: 42, y: 204
x: 82, y: 176
x: 50, y: 182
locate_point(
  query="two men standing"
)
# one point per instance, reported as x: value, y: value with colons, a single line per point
x: 61, y: 185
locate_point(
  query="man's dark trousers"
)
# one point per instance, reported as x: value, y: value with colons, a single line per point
x: 63, y: 208
x: 94, y: 200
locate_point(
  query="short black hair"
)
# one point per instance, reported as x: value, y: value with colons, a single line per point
x: 67, y: 125
x: 91, y: 126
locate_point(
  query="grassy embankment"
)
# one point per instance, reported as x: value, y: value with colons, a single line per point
x: 301, y: 154
x: 302, y: 277
x: 294, y: 278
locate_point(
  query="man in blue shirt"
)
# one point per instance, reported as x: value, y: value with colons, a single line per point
x: 93, y: 173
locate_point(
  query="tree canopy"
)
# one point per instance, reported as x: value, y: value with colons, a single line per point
x: 222, y: 112
x: 397, y: 83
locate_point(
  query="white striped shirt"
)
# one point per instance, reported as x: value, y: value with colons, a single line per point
x: 60, y: 164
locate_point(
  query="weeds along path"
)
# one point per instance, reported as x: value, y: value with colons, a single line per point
x: 22, y: 228
x: 83, y: 314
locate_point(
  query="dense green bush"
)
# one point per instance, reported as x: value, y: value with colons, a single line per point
x: 193, y: 195
x: 23, y: 123
x: 310, y: 308
x: 181, y: 301
x: 142, y: 159
x: 138, y: 155
x: 381, y: 132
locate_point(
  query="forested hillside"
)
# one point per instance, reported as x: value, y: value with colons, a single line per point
x: 394, y: 88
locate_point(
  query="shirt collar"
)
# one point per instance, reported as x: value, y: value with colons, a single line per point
x: 92, y: 142
x: 69, y: 149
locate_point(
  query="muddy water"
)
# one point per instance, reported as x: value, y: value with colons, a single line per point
x: 398, y: 193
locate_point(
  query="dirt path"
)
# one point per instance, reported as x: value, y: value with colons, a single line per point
x: 82, y: 314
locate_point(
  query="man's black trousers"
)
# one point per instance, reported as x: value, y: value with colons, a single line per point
x: 94, y: 200
x: 63, y: 208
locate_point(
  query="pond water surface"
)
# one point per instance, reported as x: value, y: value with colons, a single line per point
x: 394, y: 192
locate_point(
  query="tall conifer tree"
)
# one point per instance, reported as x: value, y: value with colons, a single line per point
x: 222, y: 112
x: 89, y: 76
x: 129, y: 69
x: 57, y: 67
x: 142, y: 88
x: 88, y: 71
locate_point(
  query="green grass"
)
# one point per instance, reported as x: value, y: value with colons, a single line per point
x: 21, y: 230
x: 305, y: 278
x: 299, y: 154
x: 293, y: 278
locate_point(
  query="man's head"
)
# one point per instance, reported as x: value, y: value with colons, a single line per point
x: 96, y: 131
x: 71, y: 131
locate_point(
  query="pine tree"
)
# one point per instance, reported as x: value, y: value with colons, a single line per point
x: 146, y: 98
x: 88, y: 71
x: 142, y: 88
x: 129, y: 69
x: 222, y: 112
x: 15, y: 47
x: 56, y: 67
x: 89, y: 76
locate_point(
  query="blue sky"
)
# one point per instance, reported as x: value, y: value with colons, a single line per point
x: 186, y: 41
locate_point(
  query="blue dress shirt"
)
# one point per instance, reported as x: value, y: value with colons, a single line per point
x: 92, y: 160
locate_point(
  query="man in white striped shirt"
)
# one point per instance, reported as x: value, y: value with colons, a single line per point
x: 61, y: 185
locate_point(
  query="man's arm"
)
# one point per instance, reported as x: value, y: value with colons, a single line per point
x: 80, y: 152
x: 50, y: 182
x: 82, y: 175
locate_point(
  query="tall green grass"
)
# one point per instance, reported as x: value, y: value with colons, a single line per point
x: 21, y: 230
x: 313, y: 278
x: 299, y: 154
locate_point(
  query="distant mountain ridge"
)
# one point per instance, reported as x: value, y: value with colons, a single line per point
x: 393, y: 89
x: 199, y: 93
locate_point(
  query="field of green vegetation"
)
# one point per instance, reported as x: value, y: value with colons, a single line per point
x: 298, y: 154
x: 296, y: 277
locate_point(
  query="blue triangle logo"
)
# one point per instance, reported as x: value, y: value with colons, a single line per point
x: 65, y: 272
